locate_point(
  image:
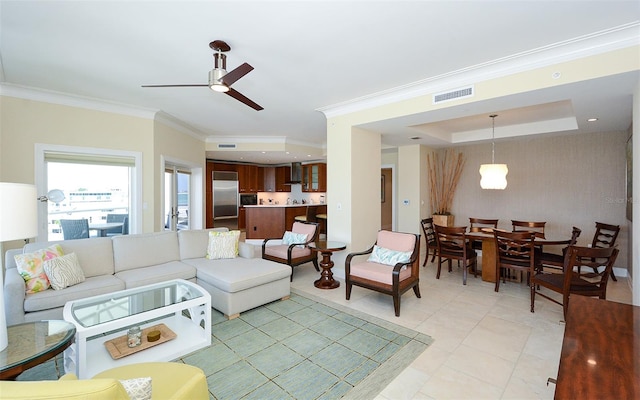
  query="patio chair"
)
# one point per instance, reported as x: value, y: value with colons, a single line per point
x: 74, y: 228
x: 393, y: 266
x: 116, y: 218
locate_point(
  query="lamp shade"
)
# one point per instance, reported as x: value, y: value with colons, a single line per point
x: 18, y: 211
x: 493, y: 176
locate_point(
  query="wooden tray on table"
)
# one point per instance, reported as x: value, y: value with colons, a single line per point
x: 118, y: 347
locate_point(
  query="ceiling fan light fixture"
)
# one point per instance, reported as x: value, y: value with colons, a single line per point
x: 215, y: 83
x: 219, y: 87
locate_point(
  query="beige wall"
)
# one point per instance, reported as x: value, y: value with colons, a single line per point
x: 23, y: 123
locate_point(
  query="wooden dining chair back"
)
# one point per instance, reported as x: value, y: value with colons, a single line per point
x: 574, y: 281
x: 530, y: 226
x: 75, y: 228
x: 294, y: 249
x: 430, y: 238
x: 514, y: 251
x: 392, y: 268
x: 604, y: 237
x: 554, y: 260
x: 453, y: 244
x: 481, y: 225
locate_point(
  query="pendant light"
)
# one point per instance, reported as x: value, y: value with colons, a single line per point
x: 493, y: 176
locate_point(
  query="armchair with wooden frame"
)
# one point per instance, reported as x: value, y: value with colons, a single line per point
x: 454, y: 245
x: 514, y: 251
x: 393, y: 266
x: 574, y: 281
x: 294, y: 254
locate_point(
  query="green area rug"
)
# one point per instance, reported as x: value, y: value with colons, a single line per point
x: 301, y: 348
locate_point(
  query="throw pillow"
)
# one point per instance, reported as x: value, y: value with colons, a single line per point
x: 63, y: 271
x: 223, y: 245
x: 137, y: 388
x: 30, y: 267
x: 385, y: 256
x: 291, y: 238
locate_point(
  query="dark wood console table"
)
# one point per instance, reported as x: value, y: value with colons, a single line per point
x: 600, y: 356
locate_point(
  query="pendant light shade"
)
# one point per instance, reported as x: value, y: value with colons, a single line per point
x: 493, y: 176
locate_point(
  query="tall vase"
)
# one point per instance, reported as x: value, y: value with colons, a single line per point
x: 443, y: 220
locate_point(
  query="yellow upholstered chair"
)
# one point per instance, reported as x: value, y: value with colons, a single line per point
x: 169, y: 380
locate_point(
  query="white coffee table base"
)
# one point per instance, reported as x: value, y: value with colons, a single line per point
x: 89, y: 356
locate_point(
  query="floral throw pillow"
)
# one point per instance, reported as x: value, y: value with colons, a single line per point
x: 30, y: 267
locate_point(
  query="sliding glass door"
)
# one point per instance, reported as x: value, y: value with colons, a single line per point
x: 177, y: 181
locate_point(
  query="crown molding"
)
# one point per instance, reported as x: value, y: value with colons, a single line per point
x: 179, y: 125
x: 65, y: 99
x: 600, y: 42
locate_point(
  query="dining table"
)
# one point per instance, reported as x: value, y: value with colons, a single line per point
x: 489, y: 250
x: 103, y: 227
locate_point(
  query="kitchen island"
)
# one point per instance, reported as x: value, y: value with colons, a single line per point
x: 271, y: 221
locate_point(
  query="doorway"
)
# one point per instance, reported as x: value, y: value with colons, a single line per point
x: 386, y: 199
x: 177, y: 181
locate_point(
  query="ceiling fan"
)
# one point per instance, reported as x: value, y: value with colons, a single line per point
x: 219, y: 79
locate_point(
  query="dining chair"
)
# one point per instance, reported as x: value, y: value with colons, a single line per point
x: 294, y: 254
x: 393, y: 266
x: 605, y: 237
x: 536, y: 227
x: 430, y: 239
x: 454, y: 245
x: 514, y: 251
x: 554, y: 260
x: 572, y: 280
x: 477, y: 225
x: 75, y: 228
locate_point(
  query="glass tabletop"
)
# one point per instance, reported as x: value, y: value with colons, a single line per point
x: 328, y: 245
x: 31, y: 340
x: 100, y: 309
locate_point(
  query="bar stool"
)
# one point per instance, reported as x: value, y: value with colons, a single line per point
x: 322, y: 219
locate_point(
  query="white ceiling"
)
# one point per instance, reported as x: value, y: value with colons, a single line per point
x: 310, y: 55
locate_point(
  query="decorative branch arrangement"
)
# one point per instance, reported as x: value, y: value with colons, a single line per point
x: 443, y: 180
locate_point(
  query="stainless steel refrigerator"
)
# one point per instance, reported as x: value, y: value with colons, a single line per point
x: 225, y: 199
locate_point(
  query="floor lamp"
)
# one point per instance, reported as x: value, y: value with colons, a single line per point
x: 18, y: 220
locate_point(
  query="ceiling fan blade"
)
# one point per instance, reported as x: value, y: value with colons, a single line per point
x: 236, y: 74
x: 240, y: 97
x: 179, y: 85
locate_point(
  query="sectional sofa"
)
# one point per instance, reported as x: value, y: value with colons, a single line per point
x: 122, y: 262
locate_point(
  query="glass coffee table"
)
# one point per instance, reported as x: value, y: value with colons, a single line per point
x: 183, y: 307
x: 33, y: 343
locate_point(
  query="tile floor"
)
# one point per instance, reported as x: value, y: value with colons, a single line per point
x: 487, y: 345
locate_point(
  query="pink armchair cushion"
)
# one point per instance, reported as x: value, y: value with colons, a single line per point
x: 307, y: 229
x: 377, y: 272
x: 280, y: 251
x: 397, y: 241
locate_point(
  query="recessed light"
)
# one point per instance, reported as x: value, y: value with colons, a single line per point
x: 592, y: 119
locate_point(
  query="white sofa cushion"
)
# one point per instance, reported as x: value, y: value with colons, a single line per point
x: 156, y: 273
x: 93, y: 286
x: 236, y: 274
x: 144, y: 250
x: 95, y: 255
x: 193, y: 243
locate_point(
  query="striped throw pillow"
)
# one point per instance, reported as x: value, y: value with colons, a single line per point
x: 63, y: 271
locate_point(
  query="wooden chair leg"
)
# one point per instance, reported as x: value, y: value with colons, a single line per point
x: 396, y: 304
x: 416, y: 290
x: 349, y: 290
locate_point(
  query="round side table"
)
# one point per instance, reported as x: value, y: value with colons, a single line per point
x: 327, y: 248
x: 33, y: 343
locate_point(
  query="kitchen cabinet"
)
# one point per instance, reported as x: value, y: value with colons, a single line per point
x: 283, y: 174
x: 260, y: 179
x: 269, y: 179
x: 314, y: 177
x: 248, y: 178
x: 242, y: 217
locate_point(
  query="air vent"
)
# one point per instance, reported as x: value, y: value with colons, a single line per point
x: 453, y: 95
x: 226, y: 146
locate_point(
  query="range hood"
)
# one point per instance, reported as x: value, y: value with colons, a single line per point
x: 296, y: 174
